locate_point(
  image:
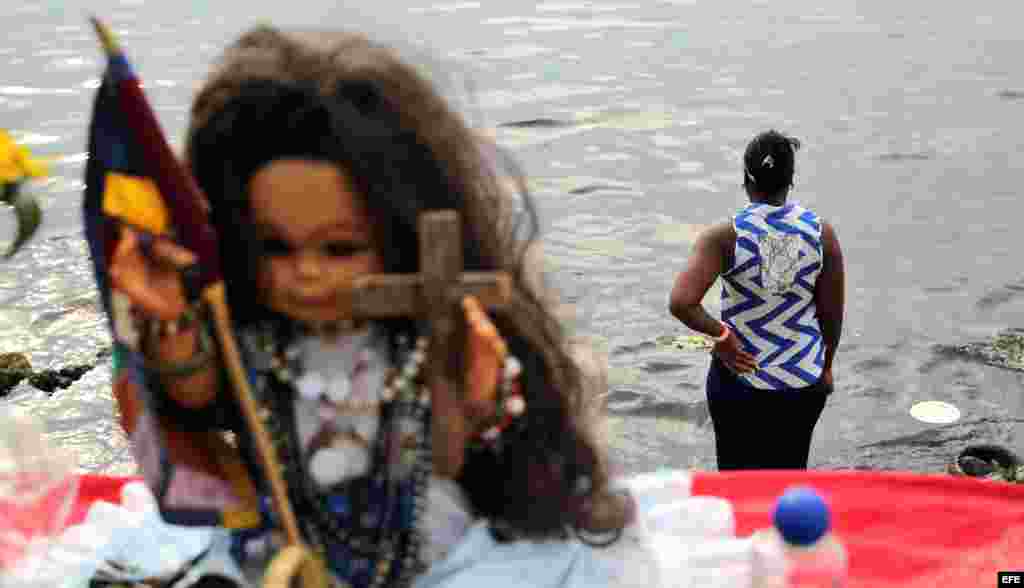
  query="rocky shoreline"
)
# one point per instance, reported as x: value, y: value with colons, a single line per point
x: 15, y: 368
x: 1005, y: 350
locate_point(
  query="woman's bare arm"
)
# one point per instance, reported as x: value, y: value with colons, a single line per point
x: 705, y: 265
x: 829, y: 295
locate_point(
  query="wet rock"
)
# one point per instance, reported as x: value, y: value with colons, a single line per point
x: 76, y: 371
x: 993, y: 462
x: 975, y: 466
x: 685, y: 342
x: 11, y: 378
x: 14, y: 361
x: 1006, y: 350
x: 15, y: 368
x: 933, y: 449
x: 51, y: 380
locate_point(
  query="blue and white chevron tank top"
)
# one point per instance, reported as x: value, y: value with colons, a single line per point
x: 768, y: 294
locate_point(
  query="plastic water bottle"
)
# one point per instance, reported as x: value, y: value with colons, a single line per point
x: 692, y: 538
x: 665, y: 505
x: 799, y: 551
x: 716, y: 562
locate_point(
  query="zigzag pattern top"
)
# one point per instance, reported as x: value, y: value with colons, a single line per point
x: 768, y: 294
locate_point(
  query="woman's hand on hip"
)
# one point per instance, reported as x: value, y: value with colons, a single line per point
x: 732, y: 354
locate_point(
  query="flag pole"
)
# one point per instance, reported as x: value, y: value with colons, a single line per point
x: 184, y: 200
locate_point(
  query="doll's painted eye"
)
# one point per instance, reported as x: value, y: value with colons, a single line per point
x: 275, y: 247
x: 343, y: 248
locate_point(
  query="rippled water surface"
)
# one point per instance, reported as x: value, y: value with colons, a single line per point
x: 630, y: 118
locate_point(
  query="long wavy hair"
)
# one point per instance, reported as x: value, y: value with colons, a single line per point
x: 341, y: 98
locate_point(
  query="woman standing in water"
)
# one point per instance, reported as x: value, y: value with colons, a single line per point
x: 782, y: 312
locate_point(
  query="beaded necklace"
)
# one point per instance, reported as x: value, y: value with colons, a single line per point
x: 367, y: 529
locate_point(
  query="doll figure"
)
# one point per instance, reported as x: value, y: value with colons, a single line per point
x: 317, y: 153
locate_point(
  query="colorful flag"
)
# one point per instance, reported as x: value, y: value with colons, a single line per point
x: 134, y: 180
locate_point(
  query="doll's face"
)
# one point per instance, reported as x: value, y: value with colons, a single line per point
x: 316, y: 234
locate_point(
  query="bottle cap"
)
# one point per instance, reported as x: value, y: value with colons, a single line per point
x: 801, y: 516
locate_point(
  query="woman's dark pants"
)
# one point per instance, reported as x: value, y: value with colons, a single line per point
x: 761, y: 429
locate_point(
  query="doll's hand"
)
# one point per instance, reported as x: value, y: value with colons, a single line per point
x: 151, y: 280
x: 457, y: 418
x: 150, y: 277
x: 485, y: 359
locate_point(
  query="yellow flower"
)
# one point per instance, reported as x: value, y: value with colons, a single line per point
x: 17, y: 162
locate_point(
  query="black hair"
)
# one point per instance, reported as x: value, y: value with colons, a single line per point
x: 769, y: 162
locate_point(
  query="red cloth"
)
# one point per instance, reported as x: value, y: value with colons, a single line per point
x: 899, y: 529
x: 93, y: 488
x: 26, y: 516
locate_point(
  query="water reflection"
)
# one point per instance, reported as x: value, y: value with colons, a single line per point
x: 630, y: 118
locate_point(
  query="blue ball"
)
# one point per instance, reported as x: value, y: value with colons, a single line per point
x: 801, y: 516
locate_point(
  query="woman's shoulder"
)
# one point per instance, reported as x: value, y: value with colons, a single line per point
x: 810, y: 214
x: 720, y: 231
x: 813, y: 219
x: 721, y: 236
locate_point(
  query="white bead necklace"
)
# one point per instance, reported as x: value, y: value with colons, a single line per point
x: 341, y: 388
x: 332, y: 368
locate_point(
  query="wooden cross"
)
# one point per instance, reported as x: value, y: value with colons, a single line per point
x: 433, y: 294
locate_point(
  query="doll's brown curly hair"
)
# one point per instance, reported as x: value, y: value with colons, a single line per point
x: 340, y: 97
